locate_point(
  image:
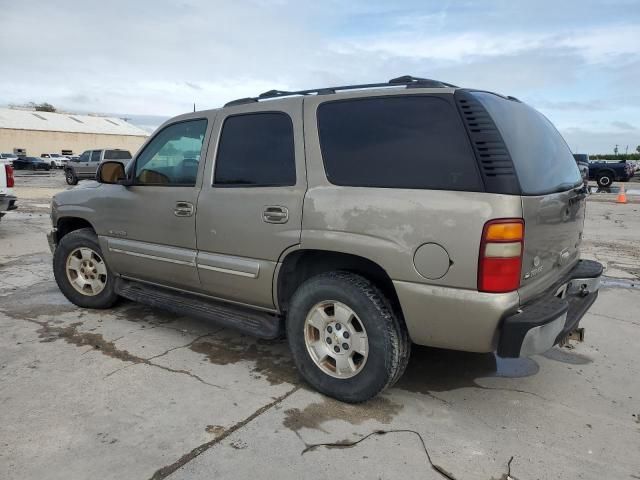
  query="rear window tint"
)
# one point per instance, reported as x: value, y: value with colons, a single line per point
x: 117, y: 155
x: 541, y: 157
x: 407, y: 141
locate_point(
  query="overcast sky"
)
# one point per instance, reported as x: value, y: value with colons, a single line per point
x: 578, y: 61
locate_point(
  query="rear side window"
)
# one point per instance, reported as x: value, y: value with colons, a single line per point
x: 256, y: 150
x: 117, y: 155
x: 407, y: 141
x: 541, y: 157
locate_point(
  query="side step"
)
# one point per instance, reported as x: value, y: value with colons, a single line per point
x: 253, y: 322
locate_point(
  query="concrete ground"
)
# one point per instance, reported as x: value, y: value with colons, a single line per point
x: 136, y: 393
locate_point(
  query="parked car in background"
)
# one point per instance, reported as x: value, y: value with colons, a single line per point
x: 56, y: 160
x: 582, y: 159
x: 86, y: 165
x: 7, y: 197
x: 31, y: 163
x: 605, y: 172
x: 8, y: 156
x: 358, y: 221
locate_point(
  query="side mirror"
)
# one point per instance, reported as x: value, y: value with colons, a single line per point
x: 110, y: 172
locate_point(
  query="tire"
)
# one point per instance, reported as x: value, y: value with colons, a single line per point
x: 70, y: 177
x: 605, y: 180
x: 47, y: 168
x: 53, y: 164
x: 69, y: 246
x: 388, y: 344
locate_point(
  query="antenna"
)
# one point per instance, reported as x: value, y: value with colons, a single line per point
x: 194, y: 107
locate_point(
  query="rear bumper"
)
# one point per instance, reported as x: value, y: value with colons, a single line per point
x: 545, y: 321
x: 8, y: 202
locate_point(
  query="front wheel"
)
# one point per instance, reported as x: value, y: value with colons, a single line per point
x: 345, y: 338
x: 70, y: 177
x: 81, y: 272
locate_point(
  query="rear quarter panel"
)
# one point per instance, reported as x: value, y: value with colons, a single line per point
x: 388, y: 225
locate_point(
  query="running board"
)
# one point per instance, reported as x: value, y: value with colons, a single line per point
x: 253, y: 322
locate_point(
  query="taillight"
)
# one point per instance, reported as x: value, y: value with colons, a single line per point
x: 9, y: 171
x: 500, y: 261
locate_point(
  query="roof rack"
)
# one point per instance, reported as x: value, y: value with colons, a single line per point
x: 407, y: 80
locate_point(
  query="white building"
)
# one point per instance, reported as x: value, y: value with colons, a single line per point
x: 34, y: 133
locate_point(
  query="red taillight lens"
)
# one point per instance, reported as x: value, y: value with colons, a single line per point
x: 500, y: 260
x: 9, y: 171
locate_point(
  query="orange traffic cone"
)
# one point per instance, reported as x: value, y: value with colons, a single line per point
x: 622, y: 196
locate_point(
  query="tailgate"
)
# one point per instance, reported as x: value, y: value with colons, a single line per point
x: 3, y: 178
x: 553, y: 232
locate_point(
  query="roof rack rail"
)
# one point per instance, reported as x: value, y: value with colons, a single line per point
x: 407, y: 80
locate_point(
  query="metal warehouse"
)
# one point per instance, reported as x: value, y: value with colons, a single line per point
x: 33, y: 132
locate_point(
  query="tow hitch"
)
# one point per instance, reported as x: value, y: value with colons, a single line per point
x: 576, y: 335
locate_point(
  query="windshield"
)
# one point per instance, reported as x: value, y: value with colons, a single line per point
x: 541, y: 157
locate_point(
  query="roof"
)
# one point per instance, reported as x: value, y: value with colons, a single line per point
x: 66, y: 122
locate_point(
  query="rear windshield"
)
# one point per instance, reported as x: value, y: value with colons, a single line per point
x: 117, y: 155
x: 581, y: 157
x: 541, y: 157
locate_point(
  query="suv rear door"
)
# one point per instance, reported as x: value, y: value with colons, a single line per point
x: 553, y: 197
x: 250, y: 206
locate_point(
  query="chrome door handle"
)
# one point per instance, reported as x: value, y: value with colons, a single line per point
x: 183, y: 209
x: 275, y: 214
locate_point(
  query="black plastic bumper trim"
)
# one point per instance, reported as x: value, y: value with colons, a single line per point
x: 547, y: 308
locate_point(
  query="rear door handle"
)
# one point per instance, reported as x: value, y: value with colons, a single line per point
x: 183, y: 209
x: 275, y: 214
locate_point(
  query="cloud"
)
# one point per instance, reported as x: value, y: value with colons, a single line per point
x: 576, y: 60
x: 624, y: 126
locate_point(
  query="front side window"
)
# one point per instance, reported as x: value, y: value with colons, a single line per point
x: 95, y: 156
x: 256, y: 150
x: 84, y: 157
x: 173, y: 155
x: 408, y: 141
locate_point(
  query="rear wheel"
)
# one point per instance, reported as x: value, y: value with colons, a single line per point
x: 605, y: 180
x: 81, y: 272
x: 345, y: 338
x: 70, y: 177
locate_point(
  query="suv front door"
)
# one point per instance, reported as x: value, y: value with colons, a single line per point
x: 250, y: 207
x: 150, y: 225
x: 82, y: 165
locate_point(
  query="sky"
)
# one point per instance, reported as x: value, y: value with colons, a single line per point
x: 577, y: 61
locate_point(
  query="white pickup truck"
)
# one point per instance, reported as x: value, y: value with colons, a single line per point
x: 7, y: 198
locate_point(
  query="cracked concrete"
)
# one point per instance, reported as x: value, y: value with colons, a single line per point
x: 138, y: 393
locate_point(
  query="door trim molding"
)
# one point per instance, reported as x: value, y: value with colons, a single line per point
x: 217, y: 262
x: 231, y: 272
x: 151, y: 257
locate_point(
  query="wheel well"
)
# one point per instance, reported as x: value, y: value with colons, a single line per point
x: 301, y: 265
x: 606, y: 171
x: 69, y: 224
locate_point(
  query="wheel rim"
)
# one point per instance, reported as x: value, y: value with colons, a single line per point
x: 69, y: 177
x: 86, y: 271
x: 336, y: 339
x: 605, y: 181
